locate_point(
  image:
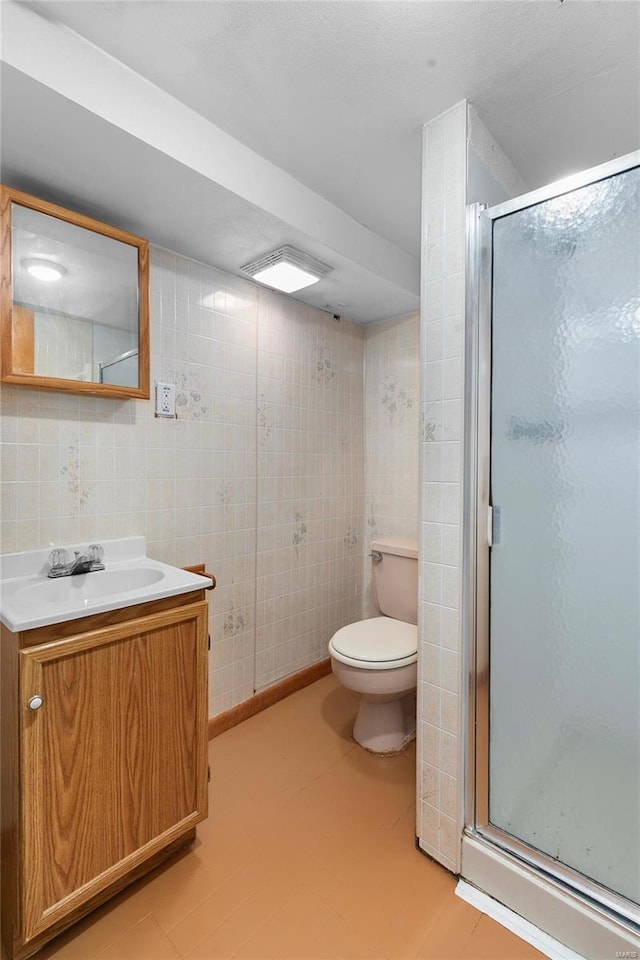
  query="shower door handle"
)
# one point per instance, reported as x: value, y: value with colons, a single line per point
x: 494, y: 516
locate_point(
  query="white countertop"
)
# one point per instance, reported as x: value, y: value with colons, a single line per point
x: 28, y: 598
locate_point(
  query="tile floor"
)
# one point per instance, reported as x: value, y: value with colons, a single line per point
x: 308, y: 853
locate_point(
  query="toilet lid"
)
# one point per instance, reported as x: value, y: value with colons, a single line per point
x: 376, y: 640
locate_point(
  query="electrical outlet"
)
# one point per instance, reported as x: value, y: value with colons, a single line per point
x: 165, y: 399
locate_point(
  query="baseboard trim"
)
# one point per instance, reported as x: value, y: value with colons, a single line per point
x: 266, y: 698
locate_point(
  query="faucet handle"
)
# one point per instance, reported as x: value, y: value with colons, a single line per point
x: 58, y: 558
x: 95, y: 552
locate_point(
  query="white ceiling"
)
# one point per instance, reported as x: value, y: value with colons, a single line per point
x: 334, y: 94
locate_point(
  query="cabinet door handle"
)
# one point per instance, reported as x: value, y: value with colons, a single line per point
x: 35, y: 702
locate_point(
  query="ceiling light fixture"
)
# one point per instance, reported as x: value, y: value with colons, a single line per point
x: 46, y: 270
x: 286, y: 269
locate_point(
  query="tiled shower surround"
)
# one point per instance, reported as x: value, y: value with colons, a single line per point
x: 439, y: 620
x: 261, y: 476
x: 462, y: 163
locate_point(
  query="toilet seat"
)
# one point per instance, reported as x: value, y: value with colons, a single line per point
x: 379, y: 643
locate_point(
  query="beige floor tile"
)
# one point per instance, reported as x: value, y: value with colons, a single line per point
x: 405, y: 828
x: 145, y: 941
x: 265, y: 778
x: 341, y: 855
x: 289, y: 750
x: 248, y: 899
x: 284, y: 935
x: 229, y: 936
x: 489, y: 940
x: 450, y: 932
x: 359, y: 795
x: 423, y: 891
x: 328, y: 926
x: 393, y: 899
x: 211, y: 911
x: 94, y: 933
x: 173, y: 891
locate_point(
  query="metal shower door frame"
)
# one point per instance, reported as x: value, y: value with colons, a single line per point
x: 477, y: 534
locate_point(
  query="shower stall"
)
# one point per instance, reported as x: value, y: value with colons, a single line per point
x: 121, y: 370
x: 553, y: 556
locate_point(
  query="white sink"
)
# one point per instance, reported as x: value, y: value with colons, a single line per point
x: 89, y: 586
x: 29, y: 598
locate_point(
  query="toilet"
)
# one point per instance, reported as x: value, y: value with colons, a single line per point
x: 377, y: 658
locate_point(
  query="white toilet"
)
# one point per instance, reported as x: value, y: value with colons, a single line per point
x: 378, y: 657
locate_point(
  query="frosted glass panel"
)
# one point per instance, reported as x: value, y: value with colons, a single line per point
x: 565, y: 574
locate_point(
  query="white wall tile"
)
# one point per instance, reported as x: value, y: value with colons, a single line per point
x: 445, y: 154
x: 444, y: 162
x: 226, y: 481
x: 392, y: 407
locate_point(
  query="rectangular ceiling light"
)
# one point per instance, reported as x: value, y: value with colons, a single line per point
x: 286, y: 269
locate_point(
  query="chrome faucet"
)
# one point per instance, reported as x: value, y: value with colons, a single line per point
x: 60, y: 564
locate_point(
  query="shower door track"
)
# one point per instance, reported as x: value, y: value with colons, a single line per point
x: 623, y: 913
x: 617, y: 907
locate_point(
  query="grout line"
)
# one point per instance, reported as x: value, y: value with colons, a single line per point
x: 260, y: 926
x: 234, y: 872
x: 259, y: 299
x: 236, y: 910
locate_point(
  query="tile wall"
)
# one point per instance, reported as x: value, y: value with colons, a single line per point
x: 451, y: 143
x: 441, y: 427
x: 310, y: 483
x: 261, y: 475
x: 392, y: 407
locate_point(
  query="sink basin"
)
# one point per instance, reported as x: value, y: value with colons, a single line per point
x: 90, y: 586
x: 30, y: 599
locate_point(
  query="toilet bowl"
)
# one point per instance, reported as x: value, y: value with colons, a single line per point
x: 377, y: 657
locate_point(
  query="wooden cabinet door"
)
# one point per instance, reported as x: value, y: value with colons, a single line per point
x: 114, y: 763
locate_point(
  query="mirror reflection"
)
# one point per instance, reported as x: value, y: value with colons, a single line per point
x: 76, y: 296
x: 74, y: 301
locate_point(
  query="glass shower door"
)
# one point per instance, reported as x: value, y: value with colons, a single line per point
x: 564, y: 594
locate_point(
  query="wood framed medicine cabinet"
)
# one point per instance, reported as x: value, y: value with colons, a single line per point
x: 74, y: 301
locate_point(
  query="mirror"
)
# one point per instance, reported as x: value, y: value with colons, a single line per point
x: 75, y: 301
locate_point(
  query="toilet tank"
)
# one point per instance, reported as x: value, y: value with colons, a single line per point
x: 395, y: 578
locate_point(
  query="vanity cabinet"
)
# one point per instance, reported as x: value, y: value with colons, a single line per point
x: 108, y: 774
